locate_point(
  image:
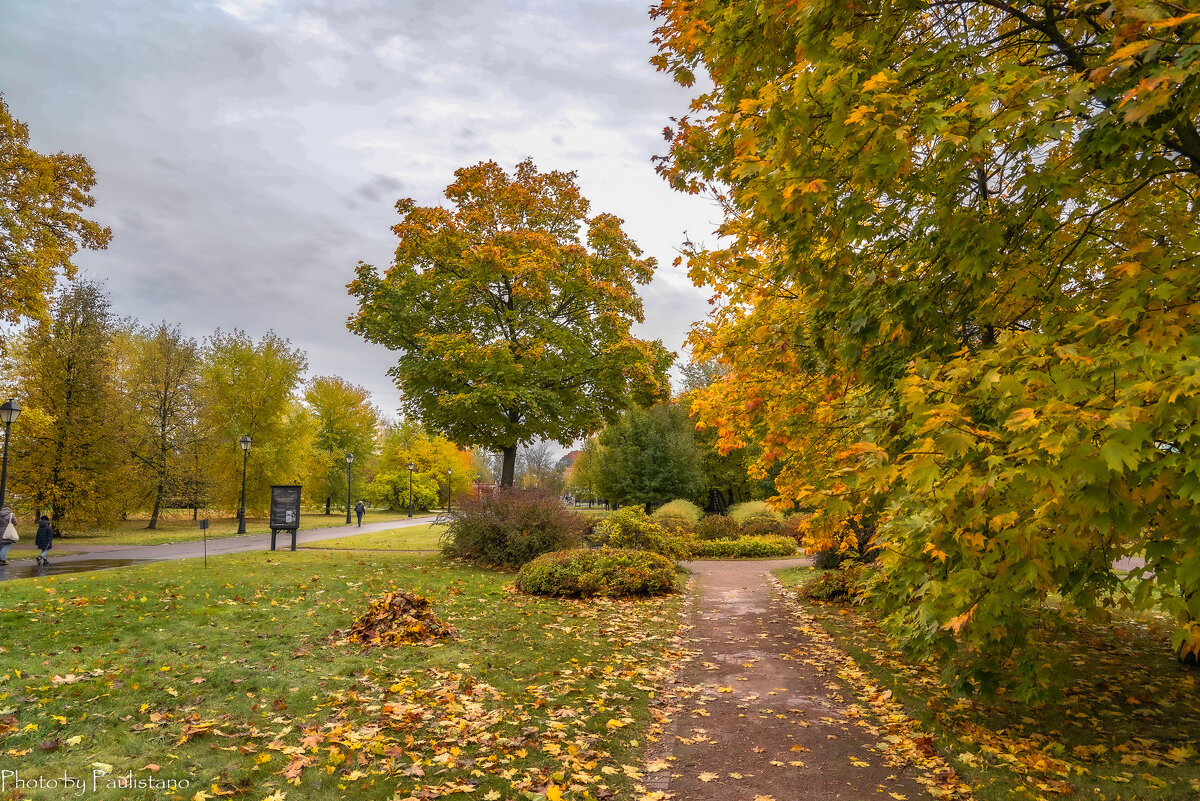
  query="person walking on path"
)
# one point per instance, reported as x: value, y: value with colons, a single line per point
x: 358, y: 510
x: 44, y: 539
x: 8, y: 531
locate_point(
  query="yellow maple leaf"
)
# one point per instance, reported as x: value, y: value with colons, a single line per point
x: 707, y: 777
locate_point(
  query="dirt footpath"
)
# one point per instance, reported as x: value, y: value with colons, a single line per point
x: 759, y: 718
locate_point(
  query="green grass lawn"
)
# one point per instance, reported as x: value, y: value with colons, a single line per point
x: 232, y: 679
x: 413, y: 538
x: 1126, y: 727
x: 181, y: 528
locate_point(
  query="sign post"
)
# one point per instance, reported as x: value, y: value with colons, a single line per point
x: 285, y: 511
x: 204, y: 534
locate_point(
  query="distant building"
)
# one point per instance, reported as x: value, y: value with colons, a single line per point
x: 567, y: 462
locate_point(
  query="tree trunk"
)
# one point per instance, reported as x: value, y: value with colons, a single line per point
x: 508, y: 471
x: 327, y: 501
x: 159, y: 491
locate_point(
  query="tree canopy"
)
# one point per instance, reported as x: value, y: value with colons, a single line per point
x: 649, y: 457
x: 512, y: 309
x: 964, y: 259
x: 41, y: 226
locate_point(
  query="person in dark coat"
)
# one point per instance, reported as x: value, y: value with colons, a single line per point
x: 358, y: 510
x: 44, y: 539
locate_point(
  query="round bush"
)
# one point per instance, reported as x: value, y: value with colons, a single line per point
x: 632, y: 528
x: 679, y: 509
x: 679, y: 525
x: 744, y: 513
x: 831, y: 585
x: 717, y: 527
x: 607, y: 572
x: 510, y: 527
x: 745, y: 548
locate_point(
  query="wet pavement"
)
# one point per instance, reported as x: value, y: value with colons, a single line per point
x: 104, y: 557
x: 27, y: 568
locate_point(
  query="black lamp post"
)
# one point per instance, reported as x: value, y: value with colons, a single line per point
x: 245, y: 443
x: 410, y: 469
x: 449, y: 484
x: 349, y: 461
x: 9, y: 410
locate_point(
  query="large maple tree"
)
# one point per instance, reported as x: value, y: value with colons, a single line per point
x: 512, y: 309
x: 964, y: 265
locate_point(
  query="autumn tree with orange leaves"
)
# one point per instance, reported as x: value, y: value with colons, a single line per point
x: 41, y: 225
x: 512, y: 311
x: 961, y: 292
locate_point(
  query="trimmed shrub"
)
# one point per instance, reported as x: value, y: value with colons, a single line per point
x: 679, y: 509
x: 510, y: 527
x: 717, y: 527
x: 632, y: 528
x: 607, y: 572
x: 745, y: 548
x: 743, y: 513
x: 759, y: 527
x: 844, y: 583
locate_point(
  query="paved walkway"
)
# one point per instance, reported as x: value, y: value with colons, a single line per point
x: 758, y: 717
x: 94, y: 557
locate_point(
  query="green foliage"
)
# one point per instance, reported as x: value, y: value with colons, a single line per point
x: 511, y: 527
x: 744, y: 548
x: 389, y: 490
x: 856, y: 544
x: 249, y: 390
x: 743, y: 513
x: 68, y: 451
x: 649, y: 457
x: 962, y: 259
x: 761, y: 527
x: 717, y: 527
x: 407, y: 442
x: 513, y: 310
x: 679, y: 509
x: 631, y: 527
x: 160, y: 376
x: 40, y: 225
x: 838, y: 584
x: 344, y: 422
x: 605, y: 572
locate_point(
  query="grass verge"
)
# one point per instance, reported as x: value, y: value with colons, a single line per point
x: 414, y: 538
x: 231, y: 679
x: 1125, y: 728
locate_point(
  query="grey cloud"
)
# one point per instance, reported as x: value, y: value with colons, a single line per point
x: 247, y: 164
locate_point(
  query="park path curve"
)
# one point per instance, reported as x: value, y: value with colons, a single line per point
x: 93, y: 557
x: 756, y: 717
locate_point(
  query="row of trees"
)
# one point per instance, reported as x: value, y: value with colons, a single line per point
x: 121, y: 418
x: 960, y: 297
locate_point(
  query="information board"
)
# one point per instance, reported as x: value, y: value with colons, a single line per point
x: 285, y: 507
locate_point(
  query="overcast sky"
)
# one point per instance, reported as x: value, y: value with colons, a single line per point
x: 249, y: 152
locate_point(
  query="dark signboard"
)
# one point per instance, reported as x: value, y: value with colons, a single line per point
x: 285, y: 508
